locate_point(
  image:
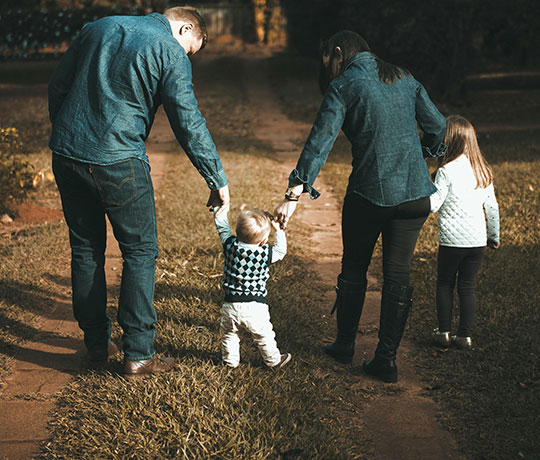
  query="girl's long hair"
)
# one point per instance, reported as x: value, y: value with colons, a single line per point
x: 461, y: 139
x: 340, y: 48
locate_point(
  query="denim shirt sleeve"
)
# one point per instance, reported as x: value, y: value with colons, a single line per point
x: 188, y: 124
x: 323, y: 134
x: 432, y: 123
x: 62, y: 79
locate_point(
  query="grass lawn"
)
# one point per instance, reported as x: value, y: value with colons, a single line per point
x: 204, y: 410
x: 490, y: 395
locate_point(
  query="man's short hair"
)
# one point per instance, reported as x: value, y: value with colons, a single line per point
x: 191, y: 15
x: 253, y: 226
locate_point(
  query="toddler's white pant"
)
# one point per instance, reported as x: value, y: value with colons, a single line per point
x: 255, y: 318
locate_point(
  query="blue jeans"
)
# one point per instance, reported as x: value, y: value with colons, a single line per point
x: 123, y: 191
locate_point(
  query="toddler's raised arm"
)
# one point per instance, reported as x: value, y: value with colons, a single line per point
x: 222, y: 225
x: 279, y: 249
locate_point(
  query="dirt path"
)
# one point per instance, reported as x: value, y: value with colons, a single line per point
x: 403, y: 425
x: 45, y: 364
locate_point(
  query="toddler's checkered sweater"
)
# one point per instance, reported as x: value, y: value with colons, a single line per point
x: 246, y: 271
x: 247, y: 266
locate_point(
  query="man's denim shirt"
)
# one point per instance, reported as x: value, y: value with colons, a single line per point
x: 106, y: 89
x: 380, y: 120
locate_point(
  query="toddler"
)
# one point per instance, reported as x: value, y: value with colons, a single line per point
x: 247, y: 260
x: 465, y: 190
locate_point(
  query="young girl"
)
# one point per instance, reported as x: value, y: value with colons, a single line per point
x: 464, y: 184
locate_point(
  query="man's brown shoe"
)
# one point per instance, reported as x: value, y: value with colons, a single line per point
x: 153, y: 365
x: 98, y: 356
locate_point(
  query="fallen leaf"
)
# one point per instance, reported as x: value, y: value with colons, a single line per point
x: 5, y: 219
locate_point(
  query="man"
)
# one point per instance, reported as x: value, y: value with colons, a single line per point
x: 102, y: 100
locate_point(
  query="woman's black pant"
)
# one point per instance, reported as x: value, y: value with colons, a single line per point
x: 363, y: 222
x: 464, y: 264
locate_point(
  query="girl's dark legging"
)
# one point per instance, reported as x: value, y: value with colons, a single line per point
x: 363, y: 222
x: 463, y: 263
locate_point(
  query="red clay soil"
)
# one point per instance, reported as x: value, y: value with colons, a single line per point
x: 28, y: 213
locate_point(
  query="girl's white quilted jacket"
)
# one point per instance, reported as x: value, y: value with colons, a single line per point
x: 461, y: 207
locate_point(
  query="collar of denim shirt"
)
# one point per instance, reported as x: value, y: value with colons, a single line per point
x: 363, y: 56
x: 162, y: 19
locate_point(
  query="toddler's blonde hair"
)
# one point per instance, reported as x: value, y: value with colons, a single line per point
x: 253, y: 226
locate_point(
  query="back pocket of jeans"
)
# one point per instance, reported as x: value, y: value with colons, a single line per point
x: 116, y: 183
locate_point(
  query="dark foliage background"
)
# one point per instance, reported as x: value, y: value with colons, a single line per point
x: 439, y: 42
x: 42, y: 32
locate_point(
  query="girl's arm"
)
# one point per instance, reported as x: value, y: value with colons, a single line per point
x: 491, y: 208
x: 222, y: 224
x: 441, y: 182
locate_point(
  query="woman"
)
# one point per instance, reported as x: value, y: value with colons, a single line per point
x: 379, y: 107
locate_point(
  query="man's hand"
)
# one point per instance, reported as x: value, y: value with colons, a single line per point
x: 219, y: 198
x: 284, y: 211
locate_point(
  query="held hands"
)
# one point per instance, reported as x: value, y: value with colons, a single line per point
x: 219, y: 199
x: 275, y: 224
x: 273, y: 221
x: 493, y: 244
x: 283, y: 212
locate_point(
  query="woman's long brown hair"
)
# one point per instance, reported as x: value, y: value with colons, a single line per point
x: 340, y: 48
x: 461, y: 139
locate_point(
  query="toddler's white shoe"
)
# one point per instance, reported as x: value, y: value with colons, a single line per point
x: 285, y: 358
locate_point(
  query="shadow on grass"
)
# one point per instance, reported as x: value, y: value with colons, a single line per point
x: 33, y: 298
x: 497, y: 381
x: 59, y: 280
x: 21, y: 330
x: 56, y: 360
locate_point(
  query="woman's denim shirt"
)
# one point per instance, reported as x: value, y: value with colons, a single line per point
x: 105, y: 91
x: 380, y: 120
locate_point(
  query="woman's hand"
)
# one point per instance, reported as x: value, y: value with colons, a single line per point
x: 493, y: 244
x: 284, y: 211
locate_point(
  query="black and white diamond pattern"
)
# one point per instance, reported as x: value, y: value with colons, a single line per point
x: 246, y: 270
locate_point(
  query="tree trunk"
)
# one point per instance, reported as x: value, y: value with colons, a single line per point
x: 259, y: 16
